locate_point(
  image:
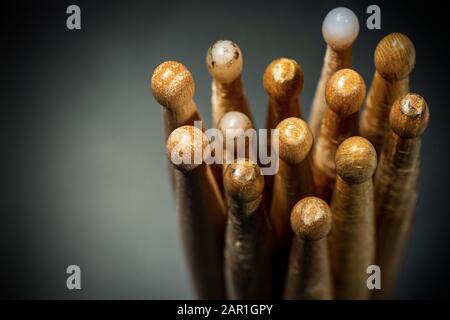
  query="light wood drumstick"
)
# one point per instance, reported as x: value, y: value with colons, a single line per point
x: 352, y: 238
x: 396, y: 185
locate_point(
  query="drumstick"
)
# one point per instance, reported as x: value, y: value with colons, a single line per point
x: 395, y: 58
x: 248, y: 261
x: 344, y: 94
x: 396, y: 185
x: 309, y: 275
x: 283, y: 82
x: 292, y: 182
x: 173, y: 87
x: 201, y: 211
x: 352, y: 238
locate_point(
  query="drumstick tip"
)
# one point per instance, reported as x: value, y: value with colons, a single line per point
x: 311, y: 219
x: 345, y: 92
x: 296, y: 140
x: 243, y: 181
x: 283, y: 79
x: 172, y: 84
x: 183, y: 144
x: 340, y: 28
x: 356, y: 160
x: 395, y: 57
x: 224, y: 61
x: 409, y: 116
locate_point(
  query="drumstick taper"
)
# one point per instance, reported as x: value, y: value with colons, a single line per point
x: 248, y: 252
x: 352, y: 238
x: 396, y: 185
x: 309, y: 275
x: 201, y: 212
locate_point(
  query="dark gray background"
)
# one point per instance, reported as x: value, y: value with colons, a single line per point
x: 85, y: 178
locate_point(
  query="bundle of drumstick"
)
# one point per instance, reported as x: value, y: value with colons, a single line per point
x: 342, y: 199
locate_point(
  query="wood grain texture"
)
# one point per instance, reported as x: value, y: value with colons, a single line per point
x: 201, y: 212
x: 394, y: 58
x: 344, y: 93
x: 352, y: 238
x: 309, y: 275
x: 396, y: 185
x: 248, y: 249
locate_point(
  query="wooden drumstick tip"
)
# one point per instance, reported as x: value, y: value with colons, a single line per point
x: 345, y: 92
x: 340, y: 28
x: 172, y: 84
x: 311, y: 219
x: 224, y: 61
x: 183, y: 143
x: 409, y: 116
x: 395, y: 57
x: 356, y: 160
x: 243, y: 181
x: 283, y: 79
x: 296, y: 140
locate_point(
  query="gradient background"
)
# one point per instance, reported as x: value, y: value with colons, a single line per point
x: 84, y: 173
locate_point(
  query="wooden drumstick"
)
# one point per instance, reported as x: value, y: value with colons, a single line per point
x: 352, y: 238
x: 173, y: 87
x: 396, y: 185
x: 309, y: 275
x: 224, y: 61
x: 340, y: 29
x: 201, y: 211
x: 283, y: 82
x: 395, y: 58
x: 248, y: 253
x: 293, y: 180
x: 344, y: 94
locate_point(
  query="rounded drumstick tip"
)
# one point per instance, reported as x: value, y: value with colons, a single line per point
x: 356, y: 160
x: 186, y: 143
x: 243, y: 181
x: 395, y: 57
x: 345, y: 92
x: 283, y: 79
x: 409, y: 116
x: 172, y: 84
x: 224, y: 61
x: 340, y: 28
x: 311, y: 219
x: 296, y: 140
x: 233, y: 122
